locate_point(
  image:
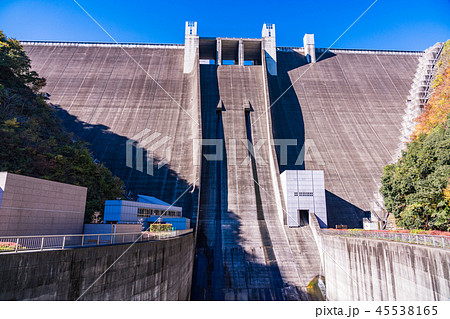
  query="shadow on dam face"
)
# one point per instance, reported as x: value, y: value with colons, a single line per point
x: 110, y: 149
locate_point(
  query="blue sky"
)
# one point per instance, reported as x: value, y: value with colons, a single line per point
x: 389, y: 24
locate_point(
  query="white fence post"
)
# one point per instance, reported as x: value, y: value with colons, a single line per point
x: 42, y: 243
x: 64, y: 242
x: 17, y: 244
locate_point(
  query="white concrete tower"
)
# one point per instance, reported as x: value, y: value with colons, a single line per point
x: 191, y: 44
x: 310, y: 49
x: 270, y: 47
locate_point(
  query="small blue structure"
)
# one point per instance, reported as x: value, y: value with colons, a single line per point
x: 145, y: 211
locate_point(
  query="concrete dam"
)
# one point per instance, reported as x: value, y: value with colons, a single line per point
x: 156, y: 114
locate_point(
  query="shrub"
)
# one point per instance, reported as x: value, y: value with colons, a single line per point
x: 160, y: 227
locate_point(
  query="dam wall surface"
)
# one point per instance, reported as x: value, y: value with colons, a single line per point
x: 341, y: 115
x: 346, y: 111
x: 157, y: 270
x: 343, y: 112
x: 111, y: 96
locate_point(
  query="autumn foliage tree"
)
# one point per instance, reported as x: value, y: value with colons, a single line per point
x: 415, y: 189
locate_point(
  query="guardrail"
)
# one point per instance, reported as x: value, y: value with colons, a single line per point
x: 104, y: 44
x: 418, y: 239
x: 14, y: 244
x: 358, y: 51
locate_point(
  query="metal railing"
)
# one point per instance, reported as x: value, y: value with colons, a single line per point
x: 14, y: 244
x: 418, y: 239
x: 104, y: 44
x: 433, y: 65
x: 357, y: 51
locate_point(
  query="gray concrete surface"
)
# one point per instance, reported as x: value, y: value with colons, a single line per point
x: 33, y: 206
x: 158, y: 270
x: 362, y: 269
x: 358, y: 269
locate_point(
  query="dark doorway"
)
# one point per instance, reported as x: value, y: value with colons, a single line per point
x: 303, y: 217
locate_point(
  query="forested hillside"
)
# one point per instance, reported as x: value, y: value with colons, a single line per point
x: 32, y: 139
x: 416, y: 189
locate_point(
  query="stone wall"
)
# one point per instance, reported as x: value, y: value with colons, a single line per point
x: 157, y: 270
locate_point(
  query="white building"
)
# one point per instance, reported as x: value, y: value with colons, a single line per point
x: 304, y: 193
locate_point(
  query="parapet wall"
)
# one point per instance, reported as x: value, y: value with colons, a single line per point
x: 367, y: 269
x: 157, y: 270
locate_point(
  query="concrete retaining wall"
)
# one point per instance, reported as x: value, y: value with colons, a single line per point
x: 159, y: 270
x: 33, y: 206
x: 367, y: 269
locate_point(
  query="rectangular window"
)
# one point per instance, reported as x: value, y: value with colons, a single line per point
x: 143, y: 212
x: 146, y: 212
x: 303, y: 194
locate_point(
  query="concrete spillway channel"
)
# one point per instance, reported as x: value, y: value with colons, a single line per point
x: 242, y: 249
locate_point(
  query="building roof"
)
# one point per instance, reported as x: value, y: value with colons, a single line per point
x: 151, y: 200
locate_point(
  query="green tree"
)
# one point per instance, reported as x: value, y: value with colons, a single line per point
x: 15, y: 65
x: 414, y: 187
